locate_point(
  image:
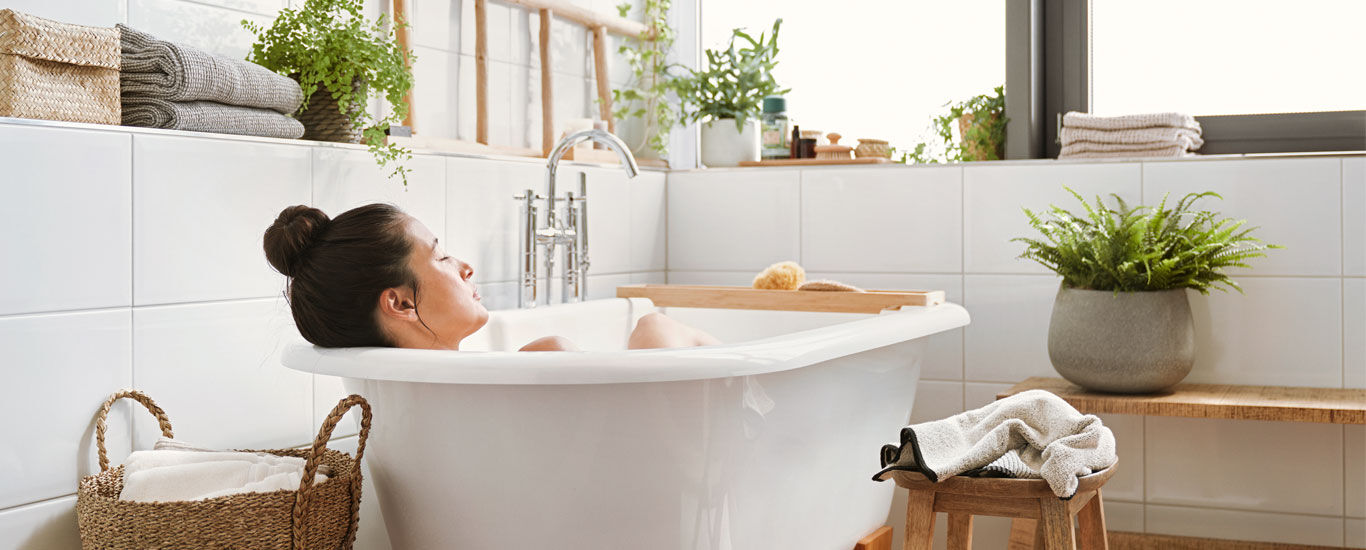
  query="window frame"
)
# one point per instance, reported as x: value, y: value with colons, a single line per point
x: 1048, y: 65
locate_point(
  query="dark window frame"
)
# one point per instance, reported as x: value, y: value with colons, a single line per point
x: 1048, y: 73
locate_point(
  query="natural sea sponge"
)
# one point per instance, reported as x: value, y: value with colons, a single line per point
x: 781, y: 276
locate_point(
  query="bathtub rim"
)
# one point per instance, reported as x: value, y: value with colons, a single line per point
x: 779, y: 353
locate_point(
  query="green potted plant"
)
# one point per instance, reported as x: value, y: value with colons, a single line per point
x: 981, y: 124
x: 1121, y: 321
x: 341, y: 61
x: 728, y: 93
x: 645, y: 98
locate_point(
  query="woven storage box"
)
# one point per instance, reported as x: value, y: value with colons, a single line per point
x: 57, y: 71
x: 317, y: 516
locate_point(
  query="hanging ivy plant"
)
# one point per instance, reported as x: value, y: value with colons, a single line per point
x: 645, y: 97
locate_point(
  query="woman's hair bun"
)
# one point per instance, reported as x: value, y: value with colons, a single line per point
x: 292, y: 236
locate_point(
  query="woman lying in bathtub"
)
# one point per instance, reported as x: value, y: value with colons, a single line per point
x: 375, y: 276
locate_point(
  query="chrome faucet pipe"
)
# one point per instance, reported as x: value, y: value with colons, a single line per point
x: 628, y: 161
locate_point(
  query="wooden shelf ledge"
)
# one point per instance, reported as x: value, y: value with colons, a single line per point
x: 1275, y: 403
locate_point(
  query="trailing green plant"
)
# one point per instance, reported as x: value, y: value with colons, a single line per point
x: 734, y: 82
x: 329, y: 44
x: 646, y: 97
x: 1128, y: 249
x: 983, y: 131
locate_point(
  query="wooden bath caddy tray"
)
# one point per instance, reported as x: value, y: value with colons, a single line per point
x: 739, y: 297
x: 815, y: 162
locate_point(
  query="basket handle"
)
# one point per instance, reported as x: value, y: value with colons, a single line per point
x: 101, y: 420
x: 305, y: 492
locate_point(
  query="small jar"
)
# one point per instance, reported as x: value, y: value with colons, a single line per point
x: 775, y: 129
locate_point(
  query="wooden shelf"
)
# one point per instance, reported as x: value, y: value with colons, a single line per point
x: 1276, y: 403
x: 737, y: 297
x: 815, y: 162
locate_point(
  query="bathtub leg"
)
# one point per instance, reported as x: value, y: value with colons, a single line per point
x: 919, y: 521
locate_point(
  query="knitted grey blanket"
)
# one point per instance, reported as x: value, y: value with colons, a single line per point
x: 1033, y: 431
x: 205, y: 116
x: 163, y: 70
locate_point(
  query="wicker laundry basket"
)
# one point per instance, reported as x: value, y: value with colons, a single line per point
x: 58, y: 71
x: 317, y: 516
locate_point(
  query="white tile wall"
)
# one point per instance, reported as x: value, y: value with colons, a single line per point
x: 95, y: 13
x: 1355, y: 533
x: 936, y: 399
x: 67, y: 225
x: 347, y: 178
x: 215, y: 368
x: 1354, y: 333
x: 1008, y: 338
x: 482, y: 218
x: 1251, y: 338
x: 47, y: 525
x: 213, y: 29
x: 1354, y: 468
x: 610, y: 240
x: 200, y: 207
x: 436, y: 79
x: 649, y: 218
x: 1231, y: 524
x: 733, y: 278
x: 733, y: 220
x: 1354, y: 216
x: 1122, y: 516
x: 58, y: 369
x: 882, y: 220
x: 994, y: 195
x: 1275, y: 195
x: 981, y: 394
x: 944, y: 351
x: 1127, y: 483
x: 1297, y: 467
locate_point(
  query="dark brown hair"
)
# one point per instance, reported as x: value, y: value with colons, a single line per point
x: 337, y: 269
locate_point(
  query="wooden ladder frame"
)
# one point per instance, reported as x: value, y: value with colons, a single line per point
x: 598, y: 24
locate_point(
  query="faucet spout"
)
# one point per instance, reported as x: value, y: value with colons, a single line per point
x: 628, y: 161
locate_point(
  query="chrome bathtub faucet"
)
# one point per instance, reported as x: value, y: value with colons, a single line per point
x: 568, y: 231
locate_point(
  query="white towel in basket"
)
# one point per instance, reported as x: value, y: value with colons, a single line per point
x: 179, y: 472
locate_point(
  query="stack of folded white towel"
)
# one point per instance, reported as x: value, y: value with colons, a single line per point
x: 1146, y: 135
x: 175, y: 471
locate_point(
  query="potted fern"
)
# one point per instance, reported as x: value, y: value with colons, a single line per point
x: 1122, y: 321
x: 728, y: 94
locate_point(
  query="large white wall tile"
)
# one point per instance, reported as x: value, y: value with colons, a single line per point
x: 605, y: 286
x: 262, y: 7
x: 994, y: 195
x: 734, y: 219
x: 1122, y: 516
x: 58, y: 370
x: 1127, y: 483
x: 649, y: 222
x: 1293, y: 203
x: 48, y: 525
x: 980, y: 394
x: 216, y: 370
x: 95, y: 13
x: 609, y: 216
x: 67, y: 225
x: 1245, y: 465
x: 1355, y: 533
x: 211, y: 28
x: 200, y: 207
x: 483, y: 219
x: 344, y: 179
x: 883, y: 220
x: 1008, y: 338
x: 935, y: 399
x: 1354, y: 333
x: 436, y: 79
x: 649, y: 278
x: 1238, y: 525
x: 1354, y: 216
x: 727, y: 278
x: 436, y: 24
x: 944, y: 352
x: 1255, y: 338
x: 1354, y: 443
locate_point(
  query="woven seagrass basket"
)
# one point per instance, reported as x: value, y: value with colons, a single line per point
x: 323, y: 120
x: 316, y: 516
x: 58, y: 71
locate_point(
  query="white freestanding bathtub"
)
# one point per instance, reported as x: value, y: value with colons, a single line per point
x: 766, y: 442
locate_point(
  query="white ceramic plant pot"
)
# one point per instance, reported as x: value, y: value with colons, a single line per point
x: 723, y: 145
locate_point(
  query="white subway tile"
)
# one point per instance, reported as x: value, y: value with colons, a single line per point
x: 525, y: 98
x: 59, y: 369
x: 48, y: 525
x: 1354, y: 333
x: 1237, y: 525
x: 733, y: 220
x: 67, y: 225
x: 1354, y: 443
x: 1255, y: 338
x: 994, y: 195
x: 570, y: 47
x: 1120, y: 515
x: 201, y: 207
x: 1127, y: 482
x: 1244, y: 465
x: 1293, y: 203
x: 1355, y: 533
x: 649, y: 222
x: 980, y: 394
x: 882, y: 220
x: 95, y: 13
x: 501, y: 130
x: 464, y: 91
x: 436, y: 86
x: 936, y: 399
x: 1008, y: 338
x: 437, y: 24
x: 605, y: 286
x: 344, y: 179
x: 262, y: 7
x: 1354, y: 216
x: 497, y: 21
x: 499, y: 295
x: 524, y: 33
x: 483, y: 218
x: 327, y: 391
x: 210, y: 28
x: 726, y: 278
x: 216, y: 370
x: 610, y: 239
x: 944, y: 352
x: 573, y: 100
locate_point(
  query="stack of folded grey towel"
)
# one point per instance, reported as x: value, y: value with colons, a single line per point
x: 1146, y: 135
x: 177, y: 87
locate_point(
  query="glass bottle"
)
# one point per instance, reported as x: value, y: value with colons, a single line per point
x: 775, y: 130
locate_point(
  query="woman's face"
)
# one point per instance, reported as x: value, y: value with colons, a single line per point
x: 447, y: 300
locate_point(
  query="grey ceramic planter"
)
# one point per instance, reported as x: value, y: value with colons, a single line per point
x: 1130, y: 342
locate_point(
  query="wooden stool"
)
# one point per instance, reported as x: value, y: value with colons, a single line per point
x: 1029, y: 501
